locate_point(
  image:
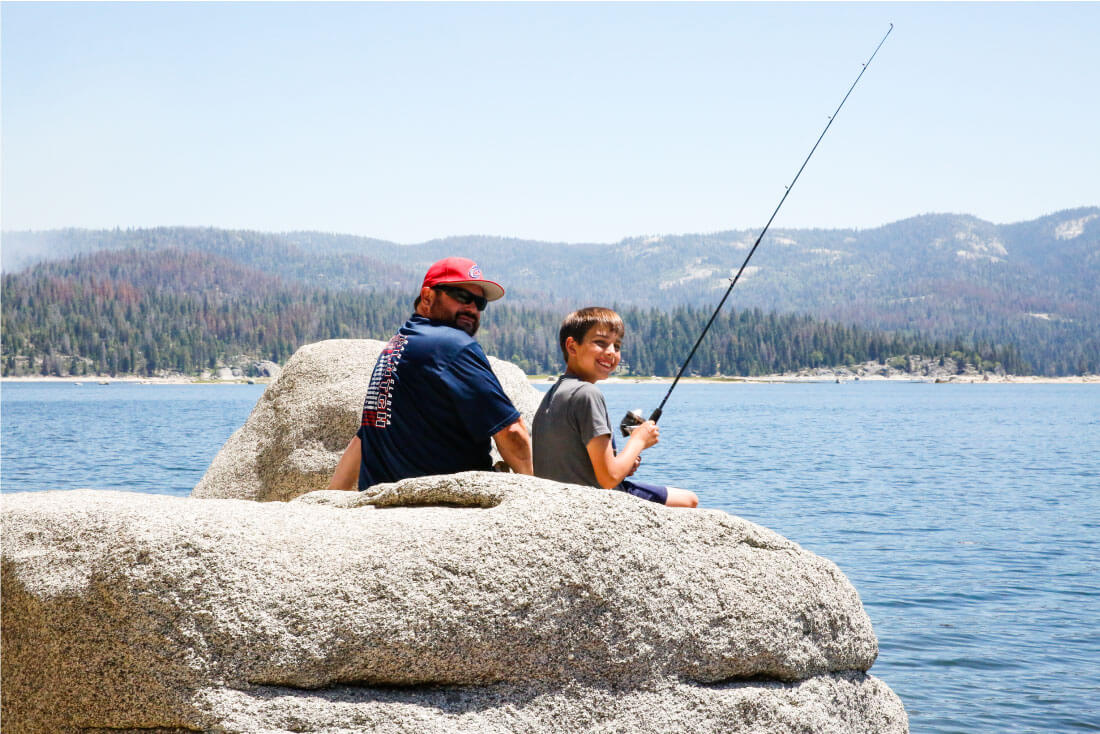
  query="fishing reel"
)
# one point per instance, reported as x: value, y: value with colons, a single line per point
x: 630, y: 421
x: 634, y: 418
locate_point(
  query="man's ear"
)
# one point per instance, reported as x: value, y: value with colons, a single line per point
x: 570, y: 346
x: 427, y: 298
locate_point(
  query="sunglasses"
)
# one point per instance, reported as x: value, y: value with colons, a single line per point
x: 463, y: 296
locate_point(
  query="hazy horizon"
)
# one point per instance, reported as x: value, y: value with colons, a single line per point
x: 463, y: 235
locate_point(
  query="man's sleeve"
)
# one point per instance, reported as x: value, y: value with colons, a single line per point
x: 479, y: 400
x: 590, y: 413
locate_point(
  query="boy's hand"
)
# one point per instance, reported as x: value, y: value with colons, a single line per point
x: 648, y: 433
x: 637, y: 463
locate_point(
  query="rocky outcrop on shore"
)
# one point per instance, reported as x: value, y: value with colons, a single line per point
x: 913, y: 368
x: 471, y: 602
x: 298, y: 430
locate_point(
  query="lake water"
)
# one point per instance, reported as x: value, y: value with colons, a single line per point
x: 967, y: 516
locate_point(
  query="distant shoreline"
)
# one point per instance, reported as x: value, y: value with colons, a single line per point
x: 131, y: 380
x: 543, y: 379
x: 813, y: 379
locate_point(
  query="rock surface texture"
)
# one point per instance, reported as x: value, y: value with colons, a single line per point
x: 474, y: 602
x: 301, y: 425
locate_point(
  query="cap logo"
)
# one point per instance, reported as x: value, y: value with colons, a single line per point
x: 475, y: 272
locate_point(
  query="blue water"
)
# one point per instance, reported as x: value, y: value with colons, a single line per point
x: 967, y: 516
x: 144, y: 438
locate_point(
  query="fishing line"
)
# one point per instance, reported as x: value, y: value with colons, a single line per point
x: 634, y: 418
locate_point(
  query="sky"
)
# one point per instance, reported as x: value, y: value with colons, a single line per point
x: 566, y: 122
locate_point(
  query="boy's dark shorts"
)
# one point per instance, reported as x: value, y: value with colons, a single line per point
x: 645, y: 490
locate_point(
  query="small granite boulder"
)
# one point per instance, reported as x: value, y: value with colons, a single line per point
x: 267, y: 368
x: 298, y: 430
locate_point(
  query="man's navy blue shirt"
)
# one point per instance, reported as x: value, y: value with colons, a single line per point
x: 432, y: 405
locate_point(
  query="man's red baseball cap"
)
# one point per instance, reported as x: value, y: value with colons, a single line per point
x: 460, y: 271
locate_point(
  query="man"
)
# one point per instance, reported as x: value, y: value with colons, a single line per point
x: 433, y: 401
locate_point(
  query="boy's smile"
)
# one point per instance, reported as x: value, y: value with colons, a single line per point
x: 596, y: 356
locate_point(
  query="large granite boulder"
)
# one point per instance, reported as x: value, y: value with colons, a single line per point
x: 473, y: 602
x: 301, y: 425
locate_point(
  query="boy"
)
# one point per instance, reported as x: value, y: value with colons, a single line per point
x: 572, y: 434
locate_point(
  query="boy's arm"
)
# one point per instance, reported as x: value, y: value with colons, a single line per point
x: 611, y: 469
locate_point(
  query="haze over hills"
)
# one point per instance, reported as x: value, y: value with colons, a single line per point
x: 1034, y: 284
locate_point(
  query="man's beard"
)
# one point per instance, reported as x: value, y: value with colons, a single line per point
x: 469, y: 328
x: 470, y: 323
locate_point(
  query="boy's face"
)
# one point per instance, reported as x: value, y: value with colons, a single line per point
x: 596, y: 356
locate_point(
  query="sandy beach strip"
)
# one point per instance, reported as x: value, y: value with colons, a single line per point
x: 965, y: 379
x: 812, y: 379
x: 135, y: 380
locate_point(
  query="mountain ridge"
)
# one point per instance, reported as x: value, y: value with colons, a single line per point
x: 1033, y: 283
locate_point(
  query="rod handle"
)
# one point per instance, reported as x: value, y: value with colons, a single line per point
x: 656, y: 415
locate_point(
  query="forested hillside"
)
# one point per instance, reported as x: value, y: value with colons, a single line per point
x: 145, y: 312
x: 950, y: 278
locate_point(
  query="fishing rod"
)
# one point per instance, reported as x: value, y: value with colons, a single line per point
x: 634, y: 417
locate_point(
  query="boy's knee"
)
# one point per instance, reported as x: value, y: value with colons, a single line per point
x: 681, y: 498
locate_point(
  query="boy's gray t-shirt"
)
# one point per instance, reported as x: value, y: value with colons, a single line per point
x: 570, y: 415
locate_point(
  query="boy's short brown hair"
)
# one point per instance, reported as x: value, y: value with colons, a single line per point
x: 578, y: 323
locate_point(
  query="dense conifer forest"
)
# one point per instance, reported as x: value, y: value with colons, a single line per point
x: 185, y: 311
x: 1026, y: 295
